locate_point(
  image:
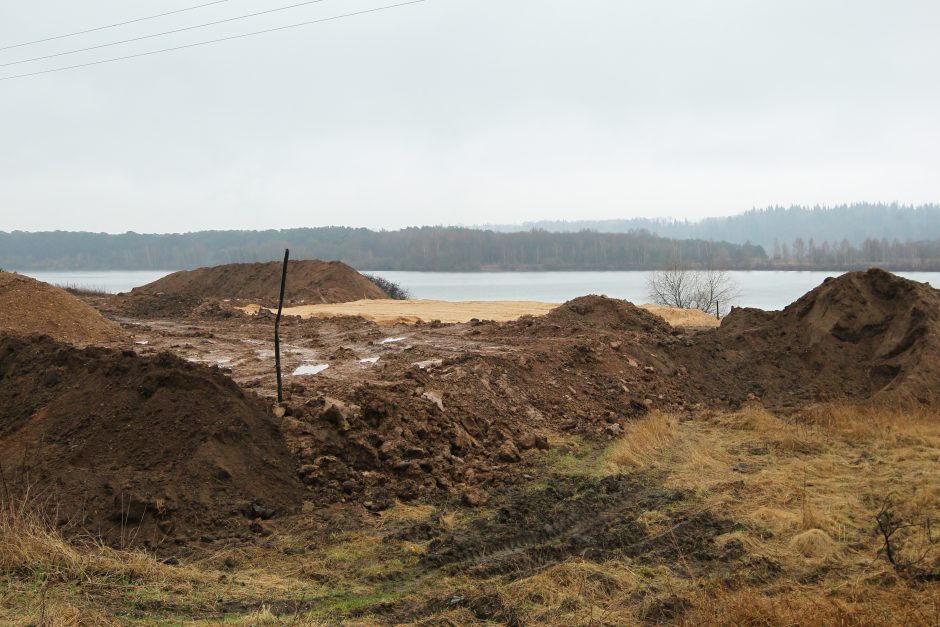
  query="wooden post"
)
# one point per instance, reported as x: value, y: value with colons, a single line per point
x: 277, y: 329
x: 717, y: 310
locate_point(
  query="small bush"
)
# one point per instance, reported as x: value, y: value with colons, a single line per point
x: 394, y: 290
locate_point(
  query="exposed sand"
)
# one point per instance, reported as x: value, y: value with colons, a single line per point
x: 683, y: 317
x: 412, y: 311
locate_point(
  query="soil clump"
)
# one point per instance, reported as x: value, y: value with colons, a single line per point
x: 139, y: 450
x: 28, y: 307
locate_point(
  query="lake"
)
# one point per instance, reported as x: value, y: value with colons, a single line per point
x: 764, y: 289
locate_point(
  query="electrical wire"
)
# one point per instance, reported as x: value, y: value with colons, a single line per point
x: 169, y: 32
x: 212, y: 41
x: 92, y: 30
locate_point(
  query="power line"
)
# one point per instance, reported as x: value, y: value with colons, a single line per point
x: 214, y: 41
x: 169, y: 32
x: 92, y: 30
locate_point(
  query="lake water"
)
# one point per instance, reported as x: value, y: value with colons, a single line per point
x: 766, y: 290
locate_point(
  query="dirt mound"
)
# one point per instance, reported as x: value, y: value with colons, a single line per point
x: 308, y: 281
x: 864, y: 335
x: 428, y: 423
x: 601, y: 312
x: 28, y: 306
x: 139, y: 449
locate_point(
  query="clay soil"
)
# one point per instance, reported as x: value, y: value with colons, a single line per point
x: 33, y: 307
x: 308, y: 281
x: 448, y: 411
x: 138, y: 450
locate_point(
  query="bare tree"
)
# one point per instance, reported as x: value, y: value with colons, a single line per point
x: 716, y: 290
x: 708, y: 290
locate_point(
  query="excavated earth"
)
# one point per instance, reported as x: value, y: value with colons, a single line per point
x: 308, y: 282
x: 28, y: 306
x: 138, y: 449
x: 869, y: 336
x: 439, y: 411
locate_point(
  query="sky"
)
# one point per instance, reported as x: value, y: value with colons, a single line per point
x: 464, y: 112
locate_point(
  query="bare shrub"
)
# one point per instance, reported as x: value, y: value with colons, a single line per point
x: 709, y: 290
x: 910, y: 546
x: 394, y: 290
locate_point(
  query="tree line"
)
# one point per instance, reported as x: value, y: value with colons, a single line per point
x: 426, y: 248
x: 447, y: 249
x: 854, y: 222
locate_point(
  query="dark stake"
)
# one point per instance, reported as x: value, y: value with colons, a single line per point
x: 277, y: 329
x: 717, y: 310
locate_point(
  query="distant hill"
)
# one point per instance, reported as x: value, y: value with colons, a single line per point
x: 854, y: 223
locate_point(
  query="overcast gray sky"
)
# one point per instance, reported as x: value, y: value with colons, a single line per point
x: 466, y: 112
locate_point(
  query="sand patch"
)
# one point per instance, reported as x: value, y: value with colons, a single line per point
x: 391, y: 312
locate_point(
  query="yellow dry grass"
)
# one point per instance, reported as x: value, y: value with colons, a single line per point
x: 389, y: 312
x: 807, y: 490
x: 802, y: 491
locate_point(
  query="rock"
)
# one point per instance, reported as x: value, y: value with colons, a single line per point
x: 613, y: 430
x: 475, y: 497
x: 526, y: 441
x: 508, y: 453
x: 435, y: 397
x: 541, y: 443
x: 336, y: 412
x: 616, y: 345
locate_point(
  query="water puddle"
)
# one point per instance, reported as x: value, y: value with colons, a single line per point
x: 310, y: 369
x: 391, y: 340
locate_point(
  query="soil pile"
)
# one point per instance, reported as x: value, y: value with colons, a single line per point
x: 428, y: 423
x: 601, y: 312
x: 139, y: 450
x: 865, y: 335
x: 308, y: 281
x: 28, y: 306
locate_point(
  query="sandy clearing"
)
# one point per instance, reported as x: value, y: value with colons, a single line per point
x: 412, y: 311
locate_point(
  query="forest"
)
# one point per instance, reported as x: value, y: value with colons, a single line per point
x: 852, y: 222
x: 449, y: 249
x: 426, y: 248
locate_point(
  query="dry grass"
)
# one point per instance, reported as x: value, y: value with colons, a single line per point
x: 645, y: 441
x: 807, y: 489
x: 802, y: 490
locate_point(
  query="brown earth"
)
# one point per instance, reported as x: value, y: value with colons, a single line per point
x: 308, y: 281
x: 865, y: 336
x: 463, y: 410
x: 432, y: 419
x: 28, y: 306
x: 138, y: 449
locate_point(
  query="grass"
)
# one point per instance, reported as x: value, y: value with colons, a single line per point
x: 803, y: 492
